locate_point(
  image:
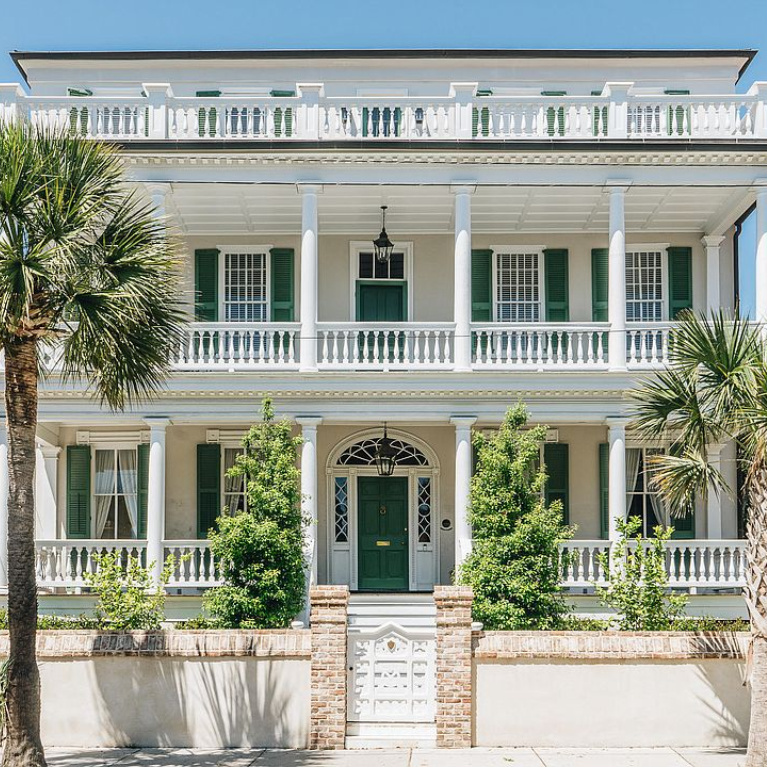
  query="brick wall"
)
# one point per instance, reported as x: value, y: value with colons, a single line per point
x: 454, y: 666
x: 328, y: 631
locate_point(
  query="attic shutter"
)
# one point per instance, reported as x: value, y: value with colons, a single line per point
x: 481, y: 285
x: 555, y: 116
x: 208, y: 487
x: 604, y: 501
x: 679, y: 280
x: 142, y: 486
x: 599, y: 118
x: 480, y: 117
x: 557, y: 285
x: 599, y: 287
x: 207, y: 117
x: 78, y: 491
x: 678, y: 117
x: 283, y: 116
x: 556, y: 456
x: 282, y: 309
x: 206, y: 285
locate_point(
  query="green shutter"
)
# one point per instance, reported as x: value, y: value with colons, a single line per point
x: 210, y: 112
x: 557, y: 285
x: 206, y: 285
x: 480, y: 117
x: 78, y: 491
x: 604, y: 500
x: 599, y: 126
x: 283, y: 121
x: 555, y: 116
x: 208, y: 487
x: 142, y: 486
x: 481, y: 285
x: 556, y: 456
x: 684, y: 527
x: 677, y: 115
x: 282, y: 302
x: 679, y: 280
x: 600, y: 258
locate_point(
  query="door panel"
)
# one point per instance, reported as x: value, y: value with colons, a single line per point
x: 383, y: 535
x: 384, y: 302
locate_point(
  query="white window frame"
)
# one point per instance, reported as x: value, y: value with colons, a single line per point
x: 241, y: 450
x: 520, y: 250
x: 355, y: 248
x: 652, y: 247
x: 113, y: 447
x: 226, y: 250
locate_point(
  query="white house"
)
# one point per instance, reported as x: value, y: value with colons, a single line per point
x: 551, y: 212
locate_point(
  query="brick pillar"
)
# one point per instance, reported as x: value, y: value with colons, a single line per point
x: 328, y: 625
x: 454, y: 669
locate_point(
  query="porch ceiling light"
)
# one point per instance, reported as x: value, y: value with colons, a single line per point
x: 383, y: 245
x: 386, y: 456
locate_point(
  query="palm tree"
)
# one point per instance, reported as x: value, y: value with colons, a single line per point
x: 87, y: 269
x: 715, y: 391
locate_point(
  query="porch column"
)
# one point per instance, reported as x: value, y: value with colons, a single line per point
x: 714, y: 501
x: 46, y: 491
x: 463, y: 426
x: 712, y: 244
x: 155, y: 515
x: 309, y: 426
x: 4, y: 481
x: 309, y: 224
x: 616, y: 485
x: 462, y: 280
x: 616, y: 312
x: 761, y: 255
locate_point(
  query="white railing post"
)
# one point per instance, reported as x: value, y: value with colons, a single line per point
x: 308, y: 122
x: 155, y: 525
x: 463, y: 426
x: 761, y: 254
x: 46, y: 490
x: 309, y: 504
x: 617, y: 113
x: 616, y: 485
x: 616, y: 309
x: 759, y: 91
x: 4, y: 488
x: 713, y: 502
x: 157, y: 101
x: 309, y: 234
x: 9, y: 101
x: 462, y: 278
x: 464, y: 94
x: 712, y: 243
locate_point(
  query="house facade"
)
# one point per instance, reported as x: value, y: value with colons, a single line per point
x: 551, y: 212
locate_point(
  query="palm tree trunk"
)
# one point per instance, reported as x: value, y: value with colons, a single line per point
x: 23, y: 747
x: 756, y: 598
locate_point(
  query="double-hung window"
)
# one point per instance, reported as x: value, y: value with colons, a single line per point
x: 246, y: 281
x: 645, y: 295
x: 115, y: 491
x: 518, y: 286
x: 235, y: 498
x: 641, y: 499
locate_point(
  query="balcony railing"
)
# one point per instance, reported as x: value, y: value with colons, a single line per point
x: 311, y: 116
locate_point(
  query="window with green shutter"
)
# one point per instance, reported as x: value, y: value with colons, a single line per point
x: 142, y: 487
x: 283, y: 284
x: 78, y: 491
x: 555, y: 116
x: 556, y: 274
x: 481, y: 285
x: 604, y: 500
x: 283, y: 117
x: 679, y: 116
x: 480, y: 117
x: 207, y: 117
x: 206, y: 285
x: 208, y: 487
x: 600, y: 258
x: 599, y: 117
x: 679, y: 280
x: 556, y: 457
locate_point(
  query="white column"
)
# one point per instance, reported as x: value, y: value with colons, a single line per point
x: 712, y: 244
x: 714, y: 502
x: 309, y: 508
x: 46, y: 491
x: 155, y: 521
x: 761, y: 255
x: 4, y: 482
x: 463, y: 426
x: 309, y: 224
x: 462, y: 280
x: 617, y: 279
x: 616, y: 486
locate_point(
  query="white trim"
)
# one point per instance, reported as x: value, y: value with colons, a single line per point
x: 664, y: 276
x: 225, y: 437
x: 112, y: 447
x: 108, y: 438
x: 225, y: 250
x: 521, y: 250
x: 363, y: 246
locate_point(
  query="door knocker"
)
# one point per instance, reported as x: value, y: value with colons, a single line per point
x: 382, y: 510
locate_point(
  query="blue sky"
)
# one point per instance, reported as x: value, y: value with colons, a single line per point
x: 107, y: 24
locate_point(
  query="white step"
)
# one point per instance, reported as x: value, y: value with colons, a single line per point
x: 415, y: 611
x: 369, y: 735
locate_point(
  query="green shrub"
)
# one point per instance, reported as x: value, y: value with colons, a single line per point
x: 637, y: 581
x: 260, y: 551
x: 514, y: 568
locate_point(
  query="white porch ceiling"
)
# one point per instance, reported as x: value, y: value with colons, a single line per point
x: 212, y: 208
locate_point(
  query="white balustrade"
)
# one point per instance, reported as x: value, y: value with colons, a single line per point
x: 580, y: 562
x: 221, y: 118
x: 385, y: 346
x: 647, y: 345
x: 109, y: 118
x: 539, y: 345
x: 194, y: 565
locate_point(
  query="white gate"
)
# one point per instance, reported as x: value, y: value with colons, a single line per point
x: 391, y: 675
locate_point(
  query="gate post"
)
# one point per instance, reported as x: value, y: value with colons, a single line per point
x: 454, y: 666
x: 328, y: 628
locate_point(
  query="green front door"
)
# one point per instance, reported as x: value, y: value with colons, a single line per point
x: 380, y: 302
x: 383, y: 540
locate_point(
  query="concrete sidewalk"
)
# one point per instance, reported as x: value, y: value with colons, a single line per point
x: 477, y: 757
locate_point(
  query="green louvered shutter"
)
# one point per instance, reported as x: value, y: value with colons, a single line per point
x: 282, y: 309
x: 142, y: 487
x: 211, y: 113
x: 78, y: 116
x: 283, y: 117
x: 208, y: 487
x: 206, y: 285
x: 78, y: 491
x: 600, y: 258
x: 556, y: 456
x: 480, y: 117
x: 604, y: 500
x: 557, y: 285
x: 677, y: 115
x: 555, y: 116
x: 684, y: 527
x: 599, y: 117
x: 481, y: 285
x: 679, y: 280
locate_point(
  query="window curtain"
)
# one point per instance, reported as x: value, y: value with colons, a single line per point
x: 126, y: 463
x: 234, y: 487
x: 632, y: 473
x: 104, y: 490
x: 659, y: 507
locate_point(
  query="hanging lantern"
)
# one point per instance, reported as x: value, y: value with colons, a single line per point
x: 386, y: 456
x: 383, y: 245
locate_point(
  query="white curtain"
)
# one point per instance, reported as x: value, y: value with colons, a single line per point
x: 632, y: 473
x: 126, y: 463
x: 105, y: 487
x: 659, y: 507
x: 234, y: 487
